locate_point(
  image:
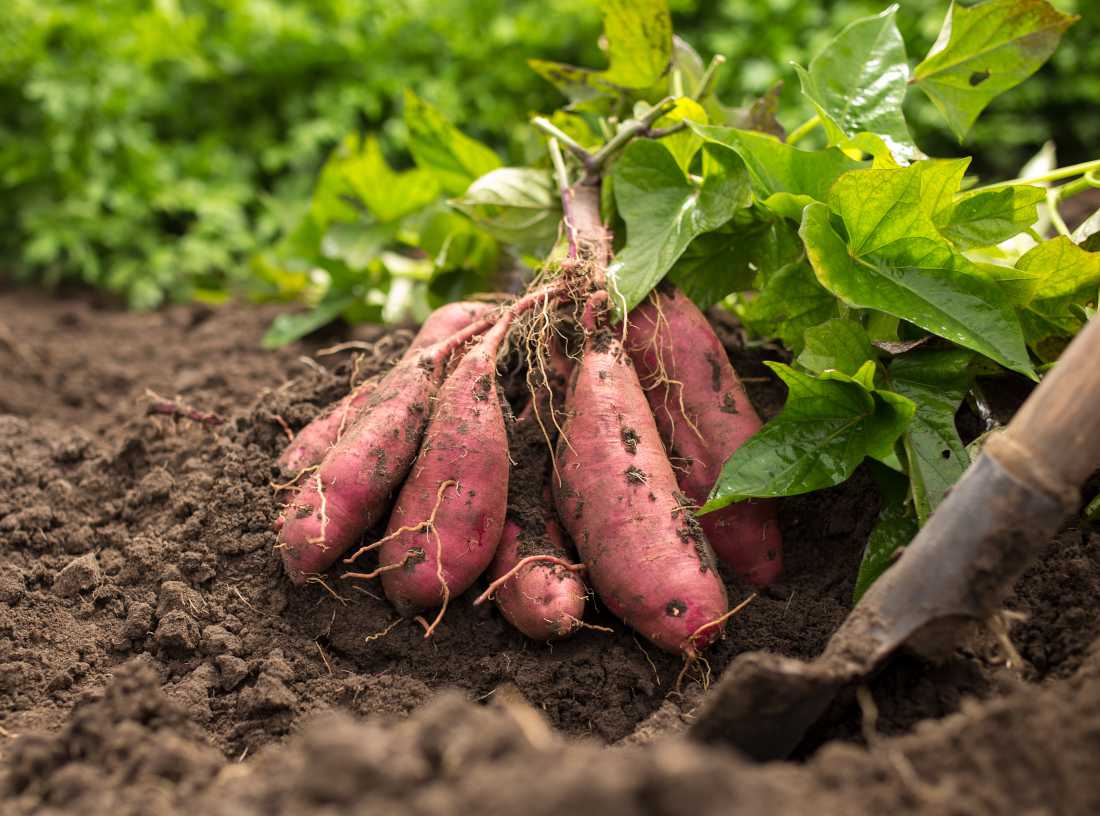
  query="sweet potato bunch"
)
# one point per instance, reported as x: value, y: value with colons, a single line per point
x: 636, y: 422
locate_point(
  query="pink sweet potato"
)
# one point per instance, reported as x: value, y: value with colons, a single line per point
x: 350, y: 490
x: 646, y: 555
x: 543, y: 599
x: 704, y: 415
x: 459, y: 484
x: 314, y: 440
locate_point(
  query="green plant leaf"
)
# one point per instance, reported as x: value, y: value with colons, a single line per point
x: 789, y: 302
x: 639, y: 41
x: 841, y: 345
x: 357, y: 243
x: 894, y: 529
x: 828, y: 425
x: 986, y: 218
x: 775, y: 167
x: 858, y: 83
x: 516, y: 205
x: 665, y: 210
x: 388, y: 195
x: 1064, y: 275
x: 286, y: 328
x: 923, y: 283
x: 936, y: 380
x: 639, y: 49
x: 439, y: 147
x: 685, y: 144
x: 984, y: 50
x: 731, y: 258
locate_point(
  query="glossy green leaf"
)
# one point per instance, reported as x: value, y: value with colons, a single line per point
x: 685, y: 144
x: 1065, y: 275
x: 936, y: 380
x: 841, y: 345
x: 983, y: 50
x: 986, y: 218
x: 665, y: 210
x: 858, y: 83
x: 789, y: 302
x: 439, y: 147
x: 516, y: 205
x: 828, y: 425
x: 923, y: 284
x: 775, y: 167
x: 733, y: 257
x: 894, y: 529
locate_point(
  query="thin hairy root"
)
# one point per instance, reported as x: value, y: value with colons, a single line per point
x: 382, y: 633
x: 648, y: 659
x: 317, y: 579
x: 366, y: 576
x: 442, y: 580
x: 321, y: 540
x: 351, y: 345
x: 510, y: 574
x: 281, y: 486
x: 427, y: 525
x: 160, y: 405
x: 282, y: 423
x: 324, y: 657
x: 661, y: 376
x: 594, y: 627
x: 722, y: 619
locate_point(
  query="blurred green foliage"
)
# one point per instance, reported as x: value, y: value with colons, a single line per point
x: 149, y: 147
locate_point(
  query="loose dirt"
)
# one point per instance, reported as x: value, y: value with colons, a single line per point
x: 153, y: 659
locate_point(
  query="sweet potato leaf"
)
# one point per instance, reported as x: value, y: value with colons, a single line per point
x: 440, y: 148
x: 828, y: 425
x: 389, y: 196
x: 984, y: 50
x: 1064, y: 275
x: 894, y: 529
x: 639, y: 49
x: 988, y: 217
x: 841, y: 345
x: 516, y: 205
x: 789, y: 302
x: 895, y: 262
x: 665, y: 210
x: 936, y: 380
x: 858, y: 83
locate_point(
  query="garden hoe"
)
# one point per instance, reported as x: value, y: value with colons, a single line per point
x: 993, y: 524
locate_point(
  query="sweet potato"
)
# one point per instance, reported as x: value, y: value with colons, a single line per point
x: 314, y: 440
x: 449, y: 515
x: 543, y: 599
x: 704, y: 415
x: 646, y: 555
x: 350, y: 490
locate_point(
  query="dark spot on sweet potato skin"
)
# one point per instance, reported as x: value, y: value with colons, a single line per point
x: 630, y: 440
x: 675, y: 608
x: 715, y: 371
x: 635, y: 475
x: 729, y: 405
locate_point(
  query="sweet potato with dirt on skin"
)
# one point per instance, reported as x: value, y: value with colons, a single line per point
x: 314, y: 440
x: 543, y: 599
x: 351, y: 488
x: 704, y: 415
x: 449, y: 516
x: 645, y: 553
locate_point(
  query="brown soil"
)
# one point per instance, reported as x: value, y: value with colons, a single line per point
x: 153, y: 659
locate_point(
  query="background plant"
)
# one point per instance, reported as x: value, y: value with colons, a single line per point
x: 150, y: 148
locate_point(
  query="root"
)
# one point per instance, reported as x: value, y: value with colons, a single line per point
x: 998, y: 624
x: 429, y: 630
x: 324, y: 657
x: 366, y: 576
x: 523, y: 562
x: 321, y: 540
x: 648, y: 659
x: 160, y: 405
x: 383, y: 632
x: 282, y: 423
x: 719, y: 620
x: 661, y: 377
x: 583, y: 625
x: 317, y: 579
x: 427, y: 525
x: 281, y: 486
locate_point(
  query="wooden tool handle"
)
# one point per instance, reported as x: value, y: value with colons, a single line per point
x: 1058, y: 427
